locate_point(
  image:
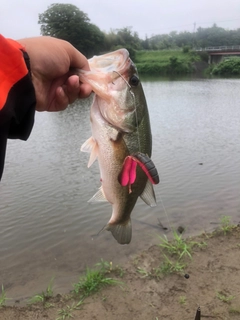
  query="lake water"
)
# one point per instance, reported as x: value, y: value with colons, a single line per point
x: 47, y: 226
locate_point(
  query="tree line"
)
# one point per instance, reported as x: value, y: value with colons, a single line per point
x: 66, y: 21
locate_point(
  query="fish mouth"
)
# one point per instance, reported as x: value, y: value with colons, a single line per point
x: 109, y: 78
x: 105, y: 70
x: 116, y: 61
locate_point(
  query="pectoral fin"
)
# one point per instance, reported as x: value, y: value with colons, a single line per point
x: 90, y: 146
x: 148, y: 195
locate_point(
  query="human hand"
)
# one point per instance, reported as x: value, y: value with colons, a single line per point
x: 50, y: 60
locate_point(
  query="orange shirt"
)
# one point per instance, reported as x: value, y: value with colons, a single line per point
x: 17, y: 95
x: 12, y: 66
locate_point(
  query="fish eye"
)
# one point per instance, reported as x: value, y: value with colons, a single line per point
x: 134, y: 81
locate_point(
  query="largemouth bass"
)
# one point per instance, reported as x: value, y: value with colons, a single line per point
x: 121, y: 139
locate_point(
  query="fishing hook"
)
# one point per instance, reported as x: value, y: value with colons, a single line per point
x: 124, y: 79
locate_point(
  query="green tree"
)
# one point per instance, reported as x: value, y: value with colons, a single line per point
x: 146, y: 44
x: 67, y: 22
x: 214, y: 36
x: 124, y: 37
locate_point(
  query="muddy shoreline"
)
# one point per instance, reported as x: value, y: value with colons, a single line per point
x: 213, y: 284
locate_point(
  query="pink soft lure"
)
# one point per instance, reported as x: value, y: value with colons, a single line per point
x: 128, y: 173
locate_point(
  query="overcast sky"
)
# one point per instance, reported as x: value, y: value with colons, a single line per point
x: 19, y: 18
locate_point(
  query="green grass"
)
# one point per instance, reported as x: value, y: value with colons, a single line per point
x: 105, y: 266
x: 108, y: 267
x: 176, y: 250
x: 178, y: 246
x: 144, y: 273
x: 92, y: 282
x: 175, y: 253
x: 168, y: 266
x: 66, y: 313
x: 3, y: 297
x: 44, y: 296
x: 234, y: 310
x: 226, y: 225
x: 224, y: 298
x: 164, y: 62
x: 162, y: 55
x: 182, y: 300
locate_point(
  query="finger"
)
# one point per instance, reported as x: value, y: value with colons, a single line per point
x: 75, y: 90
x: 85, y: 90
x: 61, y: 100
x: 68, y: 93
x: 71, y: 88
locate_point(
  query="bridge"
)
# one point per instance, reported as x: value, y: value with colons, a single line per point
x: 217, y: 54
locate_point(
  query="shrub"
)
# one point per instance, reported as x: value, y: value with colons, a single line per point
x: 230, y: 66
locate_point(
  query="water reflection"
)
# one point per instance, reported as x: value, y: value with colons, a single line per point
x: 47, y: 225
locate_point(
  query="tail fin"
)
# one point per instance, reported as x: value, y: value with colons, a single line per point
x: 121, y: 232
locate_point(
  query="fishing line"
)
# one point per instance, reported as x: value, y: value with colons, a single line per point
x: 123, y: 79
x: 166, y: 214
x: 133, y: 95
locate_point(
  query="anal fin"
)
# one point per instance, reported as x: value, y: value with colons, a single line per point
x: 99, y: 196
x: 148, y: 195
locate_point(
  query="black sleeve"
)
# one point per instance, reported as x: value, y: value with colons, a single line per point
x: 17, y: 115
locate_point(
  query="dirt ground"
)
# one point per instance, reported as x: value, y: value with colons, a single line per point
x: 213, y: 284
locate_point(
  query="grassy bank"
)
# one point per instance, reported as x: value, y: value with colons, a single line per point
x: 166, y: 62
x: 167, y: 281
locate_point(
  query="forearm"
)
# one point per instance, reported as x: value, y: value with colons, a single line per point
x: 17, y: 95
